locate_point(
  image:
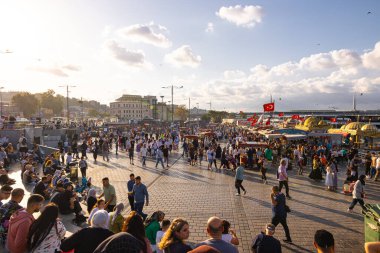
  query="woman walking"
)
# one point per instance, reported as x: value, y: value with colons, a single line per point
x: 263, y: 170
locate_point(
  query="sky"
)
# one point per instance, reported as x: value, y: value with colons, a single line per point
x: 234, y: 54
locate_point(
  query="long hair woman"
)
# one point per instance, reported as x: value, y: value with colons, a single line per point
x: 134, y: 225
x: 173, y: 240
x: 46, y: 232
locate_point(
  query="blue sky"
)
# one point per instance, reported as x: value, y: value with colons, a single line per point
x: 307, y: 54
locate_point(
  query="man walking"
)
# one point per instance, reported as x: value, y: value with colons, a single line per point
x: 109, y: 194
x: 143, y: 152
x: 130, y: 185
x: 282, y: 177
x: 239, y: 177
x: 140, y: 193
x: 159, y: 157
x: 83, y: 167
x: 265, y: 242
x: 279, y: 212
x: 105, y: 150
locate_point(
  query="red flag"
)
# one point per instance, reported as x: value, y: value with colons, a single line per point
x: 268, y: 122
x: 253, y: 123
x: 268, y: 107
x: 250, y: 119
x: 333, y: 119
x: 296, y: 116
x: 281, y: 114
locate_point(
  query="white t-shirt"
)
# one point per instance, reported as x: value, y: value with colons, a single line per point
x: 143, y: 151
x: 227, y: 237
x: 378, y: 163
x: 160, y: 234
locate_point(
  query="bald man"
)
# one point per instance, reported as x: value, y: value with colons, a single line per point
x: 215, y: 230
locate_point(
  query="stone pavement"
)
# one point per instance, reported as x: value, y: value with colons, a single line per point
x: 195, y: 193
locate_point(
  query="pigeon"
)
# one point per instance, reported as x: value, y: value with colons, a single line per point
x: 369, y: 13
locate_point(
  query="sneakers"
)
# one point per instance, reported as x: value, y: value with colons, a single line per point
x: 288, y: 197
x: 287, y: 241
x: 237, y: 194
x: 245, y: 192
x: 350, y: 210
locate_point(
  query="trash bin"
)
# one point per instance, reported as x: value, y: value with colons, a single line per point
x: 74, y: 173
x: 372, y: 222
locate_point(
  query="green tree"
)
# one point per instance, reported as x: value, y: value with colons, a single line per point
x: 93, y: 113
x: 26, y: 102
x: 50, y: 101
x: 181, y: 112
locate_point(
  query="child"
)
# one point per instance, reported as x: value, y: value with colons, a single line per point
x: 165, y: 225
x: 329, y: 178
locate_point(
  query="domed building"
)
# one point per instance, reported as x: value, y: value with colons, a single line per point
x: 313, y: 124
x: 369, y: 130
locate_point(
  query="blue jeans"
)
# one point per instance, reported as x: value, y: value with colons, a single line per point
x: 139, y: 209
x: 143, y: 160
x: 159, y: 160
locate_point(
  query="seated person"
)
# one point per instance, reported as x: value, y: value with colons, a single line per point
x: 4, y: 178
x: 11, y: 153
x: 42, y: 187
x: 66, y: 200
x: 29, y: 176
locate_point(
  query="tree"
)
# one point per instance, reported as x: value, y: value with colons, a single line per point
x: 93, y: 113
x: 26, y: 102
x: 181, y: 112
x: 50, y: 101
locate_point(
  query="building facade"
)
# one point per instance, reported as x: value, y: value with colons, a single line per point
x: 134, y: 107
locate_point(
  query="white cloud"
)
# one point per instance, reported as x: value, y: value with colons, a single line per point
x: 314, y: 81
x: 72, y: 67
x: 247, y: 16
x: 371, y: 59
x: 233, y: 74
x: 130, y: 58
x: 148, y: 33
x: 53, y: 71
x: 209, y: 28
x: 183, y: 56
x: 56, y: 69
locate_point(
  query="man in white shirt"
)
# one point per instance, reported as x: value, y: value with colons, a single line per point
x: 377, y: 166
x: 143, y: 152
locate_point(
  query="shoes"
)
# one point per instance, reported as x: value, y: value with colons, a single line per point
x: 245, y: 192
x: 265, y: 182
x: 287, y: 241
x: 237, y: 194
x: 288, y: 197
x: 350, y: 210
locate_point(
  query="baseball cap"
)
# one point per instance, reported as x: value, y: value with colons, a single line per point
x: 270, y: 227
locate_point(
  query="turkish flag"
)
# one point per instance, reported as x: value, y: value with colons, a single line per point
x: 281, y: 114
x: 268, y: 107
x: 296, y: 116
x: 253, y: 123
x: 333, y: 119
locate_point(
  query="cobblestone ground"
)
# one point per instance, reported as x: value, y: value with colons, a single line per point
x: 195, y: 193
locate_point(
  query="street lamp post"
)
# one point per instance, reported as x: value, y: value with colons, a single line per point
x: 67, y: 101
x: 162, y: 108
x: 172, y: 87
x: 1, y: 98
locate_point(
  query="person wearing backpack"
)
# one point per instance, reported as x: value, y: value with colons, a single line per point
x: 265, y: 242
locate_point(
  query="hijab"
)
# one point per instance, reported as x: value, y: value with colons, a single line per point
x: 118, y: 209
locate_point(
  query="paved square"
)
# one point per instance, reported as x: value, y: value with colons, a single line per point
x: 195, y: 193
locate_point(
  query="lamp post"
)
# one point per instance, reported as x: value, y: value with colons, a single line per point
x: 172, y: 87
x: 162, y: 108
x: 67, y: 101
x: 1, y: 98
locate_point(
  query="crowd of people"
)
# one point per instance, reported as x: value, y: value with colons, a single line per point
x: 59, y: 192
